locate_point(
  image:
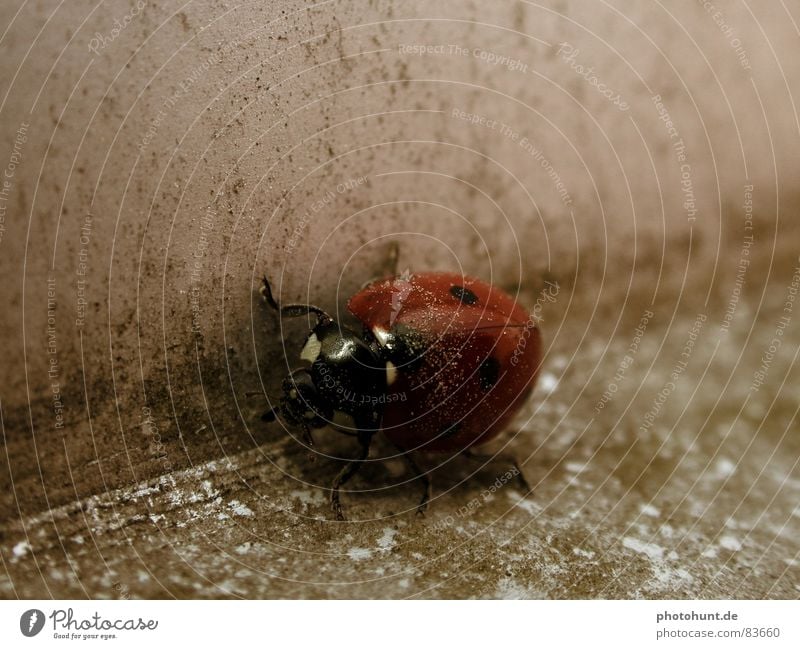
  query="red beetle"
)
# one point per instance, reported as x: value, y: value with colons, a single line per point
x: 443, y: 363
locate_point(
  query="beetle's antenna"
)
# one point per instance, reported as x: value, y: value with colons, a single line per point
x: 268, y: 415
x: 291, y: 310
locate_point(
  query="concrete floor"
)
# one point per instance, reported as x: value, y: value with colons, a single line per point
x: 704, y: 505
x: 156, y: 178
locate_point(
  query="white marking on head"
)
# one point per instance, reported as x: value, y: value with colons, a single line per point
x: 391, y: 373
x: 311, y: 349
x: 381, y: 335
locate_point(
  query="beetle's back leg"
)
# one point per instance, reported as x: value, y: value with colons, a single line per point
x: 508, y: 458
x: 420, y: 475
x: 388, y: 267
x: 347, y: 472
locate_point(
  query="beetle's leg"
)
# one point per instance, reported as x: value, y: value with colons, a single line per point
x: 349, y: 470
x: 392, y: 258
x: 509, y: 458
x: 307, y: 437
x: 388, y: 267
x: 271, y: 415
x: 420, y: 475
x: 267, y: 416
x: 291, y: 310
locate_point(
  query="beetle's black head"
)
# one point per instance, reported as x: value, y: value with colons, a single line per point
x: 343, y: 382
x: 300, y: 402
x: 348, y: 374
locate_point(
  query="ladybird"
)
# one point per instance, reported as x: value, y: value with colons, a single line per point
x: 443, y: 362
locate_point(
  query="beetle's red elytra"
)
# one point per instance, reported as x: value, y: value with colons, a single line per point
x: 432, y: 368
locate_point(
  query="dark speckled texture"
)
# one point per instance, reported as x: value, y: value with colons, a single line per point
x: 155, y: 179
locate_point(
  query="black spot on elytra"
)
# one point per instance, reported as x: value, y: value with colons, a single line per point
x: 489, y: 372
x: 451, y: 430
x: 464, y: 294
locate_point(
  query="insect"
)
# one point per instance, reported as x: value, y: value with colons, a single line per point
x: 443, y: 363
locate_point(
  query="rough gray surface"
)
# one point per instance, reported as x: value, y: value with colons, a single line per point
x: 207, y: 144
